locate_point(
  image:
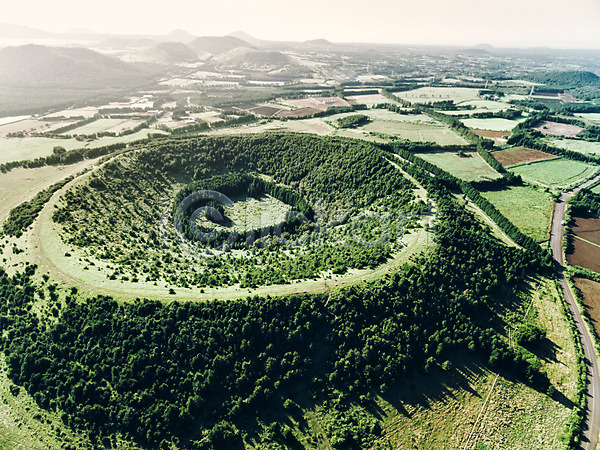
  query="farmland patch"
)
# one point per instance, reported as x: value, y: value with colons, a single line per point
x: 558, y: 129
x: 590, y: 291
x: 468, y: 165
x: 495, y: 124
x: 520, y: 155
x: 528, y: 209
x: 558, y: 173
x: 576, y: 145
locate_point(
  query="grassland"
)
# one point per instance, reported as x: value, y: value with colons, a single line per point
x: 494, y: 124
x: 250, y: 214
x: 470, y: 167
x: 419, y: 127
x: 558, y: 173
x: 98, y: 126
x: 527, y: 208
x: 591, y: 117
x: 575, y: 145
x: 18, y: 149
x: 440, y: 410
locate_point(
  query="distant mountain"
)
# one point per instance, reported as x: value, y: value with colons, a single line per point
x: 22, y: 32
x: 319, y: 42
x: 217, y: 44
x: 169, y: 53
x: 570, y: 79
x: 248, y: 58
x: 38, y: 66
x: 246, y: 38
x: 179, y: 36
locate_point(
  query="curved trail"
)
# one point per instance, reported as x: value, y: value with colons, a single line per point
x: 590, y: 434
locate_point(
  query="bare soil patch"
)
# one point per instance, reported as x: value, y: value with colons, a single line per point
x: 265, y: 110
x: 587, y: 228
x: 585, y: 253
x: 590, y: 291
x: 493, y: 134
x: 303, y: 112
x: 320, y: 103
x: 558, y: 129
x: 520, y: 155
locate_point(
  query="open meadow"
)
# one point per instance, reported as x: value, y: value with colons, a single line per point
x: 593, y: 118
x: 527, y: 208
x: 468, y: 166
x: 576, y: 145
x: 493, y: 124
x: 557, y: 173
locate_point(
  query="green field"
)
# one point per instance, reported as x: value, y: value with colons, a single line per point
x: 559, y: 173
x: 591, y: 117
x: 470, y: 167
x: 494, y: 124
x: 19, y: 149
x: 412, y: 127
x: 527, y: 208
x: 97, y: 126
x: 575, y: 145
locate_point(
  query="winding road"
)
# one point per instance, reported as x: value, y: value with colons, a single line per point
x: 590, y: 434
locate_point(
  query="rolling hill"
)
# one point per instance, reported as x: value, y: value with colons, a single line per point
x: 169, y: 53
x: 37, y: 66
x: 247, y: 58
x: 217, y: 44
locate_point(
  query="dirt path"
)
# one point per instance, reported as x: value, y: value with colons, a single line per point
x: 590, y: 433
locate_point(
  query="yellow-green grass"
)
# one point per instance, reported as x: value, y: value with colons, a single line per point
x: 527, y: 208
x: 23, y: 424
x: 20, y: 185
x: 470, y: 167
x: 97, y: 126
x: 439, y: 134
x: 19, y: 149
x: 558, y: 173
x: 591, y: 117
x: 383, y: 115
x: 596, y: 189
x: 493, y: 124
x: 437, y: 94
x: 440, y: 410
x: 576, y: 145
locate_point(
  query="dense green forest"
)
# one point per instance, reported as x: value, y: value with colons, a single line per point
x: 194, y: 374
x: 358, y: 206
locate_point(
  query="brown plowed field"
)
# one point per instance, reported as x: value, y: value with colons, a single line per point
x: 492, y: 134
x: 586, y: 254
x: 520, y: 155
x: 265, y: 110
x: 303, y: 112
x: 587, y: 228
x: 591, y: 299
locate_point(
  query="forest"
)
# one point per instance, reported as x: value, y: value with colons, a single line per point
x: 191, y: 374
x: 358, y: 206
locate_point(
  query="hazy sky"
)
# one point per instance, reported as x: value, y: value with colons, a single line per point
x: 551, y: 23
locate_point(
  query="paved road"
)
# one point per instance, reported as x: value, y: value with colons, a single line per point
x: 590, y: 434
